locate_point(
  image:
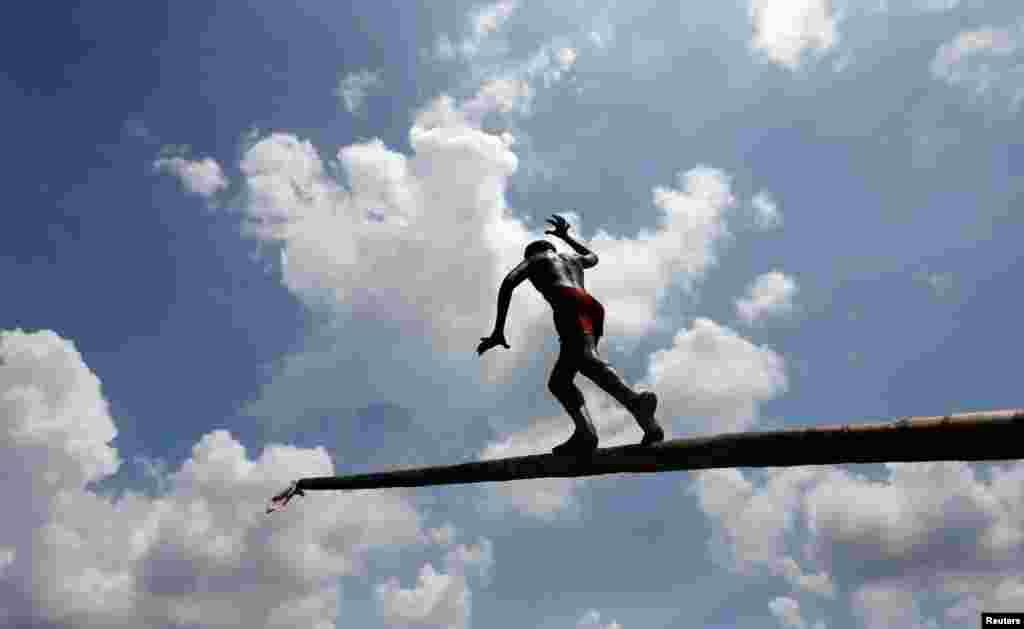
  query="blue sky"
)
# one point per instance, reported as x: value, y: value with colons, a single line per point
x: 250, y: 243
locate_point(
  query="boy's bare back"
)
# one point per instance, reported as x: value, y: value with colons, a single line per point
x: 550, y: 269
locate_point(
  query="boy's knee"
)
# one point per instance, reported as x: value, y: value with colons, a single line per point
x: 558, y: 384
x: 592, y: 362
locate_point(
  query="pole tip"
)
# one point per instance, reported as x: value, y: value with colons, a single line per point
x: 280, y: 501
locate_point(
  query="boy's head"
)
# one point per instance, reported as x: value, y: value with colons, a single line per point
x: 536, y: 247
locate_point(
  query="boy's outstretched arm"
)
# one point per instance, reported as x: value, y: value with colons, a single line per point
x: 513, y: 279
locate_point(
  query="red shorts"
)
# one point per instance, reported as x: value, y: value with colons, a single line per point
x: 576, y: 313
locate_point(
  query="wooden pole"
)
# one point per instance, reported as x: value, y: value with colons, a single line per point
x: 979, y: 436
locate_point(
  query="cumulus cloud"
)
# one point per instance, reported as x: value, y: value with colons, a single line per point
x: 711, y: 380
x: 203, y: 177
x: 592, y: 620
x: 436, y: 600
x: 938, y: 527
x: 988, y: 61
x: 751, y: 525
x: 771, y: 294
x: 200, y: 553
x: 384, y: 243
x: 692, y: 228
x: 790, y: 32
x: 352, y: 89
x: 786, y: 31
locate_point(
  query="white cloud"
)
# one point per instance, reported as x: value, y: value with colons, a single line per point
x: 771, y: 294
x: 988, y: 61
x: 711, y: 380
x: 751, y: 525
x: 203, y: 177
x: 352, y: 89
x: 55, y: 419
x: 592, y: 620
x: 202, y: 552
x: 785, y: 31
x: 766, y: 211
x: 451, y: 190
x: 790, y: 32
x: 787, y: 611
x: 635, y: 272
x: 937, y: 527
x: 437, y: 601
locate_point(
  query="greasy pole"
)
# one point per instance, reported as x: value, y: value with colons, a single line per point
x: 977, y: 436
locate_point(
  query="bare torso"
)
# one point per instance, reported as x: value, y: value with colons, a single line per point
x: 549, y: 269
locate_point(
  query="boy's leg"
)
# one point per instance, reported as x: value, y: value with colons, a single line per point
x: 601, y: 374
x: 584, y: 438
x: 640, y: 405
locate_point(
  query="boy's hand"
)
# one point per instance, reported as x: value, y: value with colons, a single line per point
x: 561, y: 226
x: 487, y: 342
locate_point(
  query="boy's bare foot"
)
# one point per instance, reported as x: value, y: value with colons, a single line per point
x: 578, y: 443
x: 643, y: 411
